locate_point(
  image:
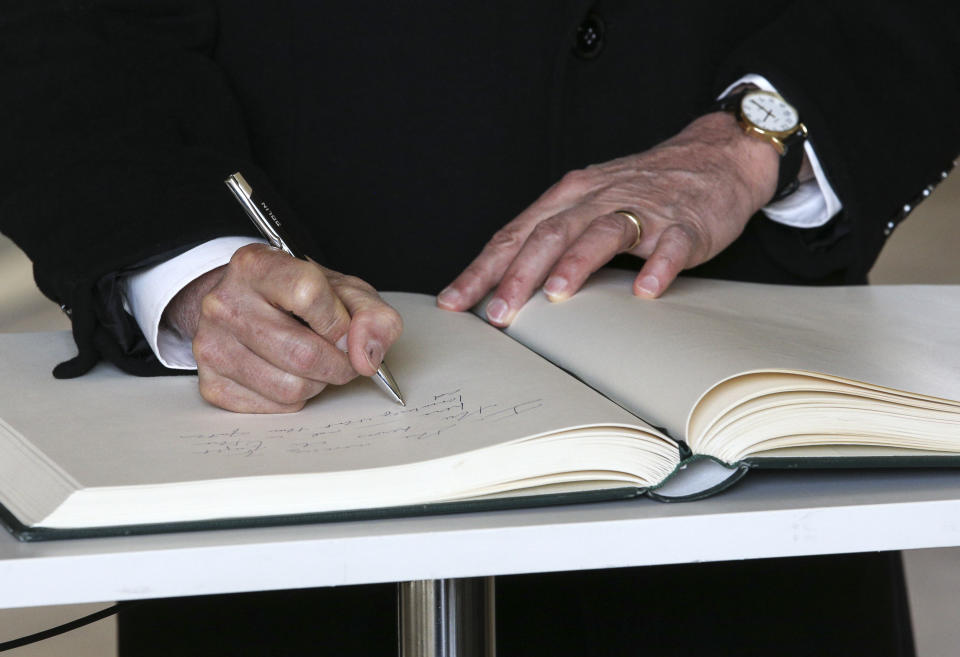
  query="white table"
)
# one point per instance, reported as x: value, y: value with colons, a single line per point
x: 765, y: 515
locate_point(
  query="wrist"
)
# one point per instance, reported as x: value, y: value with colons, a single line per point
x: 752, y: 162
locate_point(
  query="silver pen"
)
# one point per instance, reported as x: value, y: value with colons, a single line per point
x: 269, y: 226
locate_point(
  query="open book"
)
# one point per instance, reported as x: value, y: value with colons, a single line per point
x: 675, y: 398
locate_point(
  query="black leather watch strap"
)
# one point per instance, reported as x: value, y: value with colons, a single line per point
x: 790, y: 163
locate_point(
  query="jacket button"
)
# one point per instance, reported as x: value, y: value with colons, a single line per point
x: 590, y: 34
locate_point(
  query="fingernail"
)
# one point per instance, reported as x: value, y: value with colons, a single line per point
x: 374, y: 353
x: 555, y: 288
x: 341, y: 344
x: 449, y: 297
x: 648, y: 286
x: 497, y: 311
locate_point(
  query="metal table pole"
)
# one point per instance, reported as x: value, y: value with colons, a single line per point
x: 447, y: 618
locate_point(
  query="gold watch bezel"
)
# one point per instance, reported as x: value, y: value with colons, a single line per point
x: 774, y: 137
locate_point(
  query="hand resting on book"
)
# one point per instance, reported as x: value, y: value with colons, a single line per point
x: 693, y: 194
x: 254, y: 356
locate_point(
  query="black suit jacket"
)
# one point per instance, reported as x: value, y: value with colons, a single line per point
x: 400, y: 136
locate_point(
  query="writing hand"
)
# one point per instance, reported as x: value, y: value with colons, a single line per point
x: 253, y: 356
x: 693, y: 194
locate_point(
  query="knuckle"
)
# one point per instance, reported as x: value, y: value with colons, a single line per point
x: 574, y: 262
x: 611, y: 226
x: 690, y: 236
x: 307, y: 292
x: 505, y: 239
x: 217, y: 306
x: 687, y: 231
x: 333, y: 324
x: 335, y: 369
x: 577, y: 179
x: 210, y: 395
x: 386, y: 320
x: 293, y: 390
x: 674, y: 249
x: 669, y: 260
x: 205, y: 349
x: 247, y: 258
x: 514, y: 285
x: 702, y: 240
x: 551, y: 231
x: 214, y: 391
x: 304, y: 357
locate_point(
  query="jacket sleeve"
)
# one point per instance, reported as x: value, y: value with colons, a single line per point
x: 116, y: 139
x: 878, y: 86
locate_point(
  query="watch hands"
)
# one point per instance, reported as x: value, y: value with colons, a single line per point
x: 769, y: 112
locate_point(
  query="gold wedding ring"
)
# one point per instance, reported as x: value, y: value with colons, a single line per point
x: 636, y: 222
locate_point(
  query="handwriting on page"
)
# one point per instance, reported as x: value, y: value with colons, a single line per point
x: 443, y: 414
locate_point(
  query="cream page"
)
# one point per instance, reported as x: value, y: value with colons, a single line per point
x: 467, y: 387
x: 657, y: 357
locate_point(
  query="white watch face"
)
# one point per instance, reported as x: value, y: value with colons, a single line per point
x: 769, y: 112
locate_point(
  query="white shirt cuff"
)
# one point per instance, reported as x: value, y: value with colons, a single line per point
x: 814, y: 203
x: 148, y: 291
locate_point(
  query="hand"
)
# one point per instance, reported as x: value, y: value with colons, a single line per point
x: 693, y: 194
x: 253, y: 356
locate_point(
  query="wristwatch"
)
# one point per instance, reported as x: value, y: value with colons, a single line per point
x: 767, y: 116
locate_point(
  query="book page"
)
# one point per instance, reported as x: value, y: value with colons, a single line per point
x: 466, y: 386
x: 657, y: 357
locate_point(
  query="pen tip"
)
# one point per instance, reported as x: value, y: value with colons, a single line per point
x: 385, y: 380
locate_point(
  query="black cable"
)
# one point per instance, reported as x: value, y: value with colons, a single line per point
x: 66, y: 627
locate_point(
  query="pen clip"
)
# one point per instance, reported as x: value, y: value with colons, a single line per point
x: 267, y: 224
